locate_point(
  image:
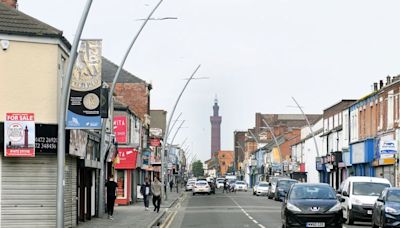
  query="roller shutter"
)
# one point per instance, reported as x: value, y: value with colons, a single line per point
x: 28, y: 191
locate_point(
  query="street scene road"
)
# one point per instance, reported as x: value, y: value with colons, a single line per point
x: 199, y: 113
x: 240, y: 209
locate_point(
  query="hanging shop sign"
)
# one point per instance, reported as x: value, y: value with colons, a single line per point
x: 155, y: 142
x: 387, y: 148
x: 126, y: 158
x: 84, y: 100
x: 120, y: 129
x: 156, y: 132
x: 19, y: 135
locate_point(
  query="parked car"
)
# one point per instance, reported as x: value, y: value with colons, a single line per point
x: 360, y: 194
x: 240, y: 186
x: 201, y: 187
x: 272, y: 185
x: 262, y: 189
x: 189, y: 185
x: 282, y: 188
x: 311, y: 205
x: 386, y: 212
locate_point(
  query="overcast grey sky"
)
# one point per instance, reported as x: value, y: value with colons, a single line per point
x: 257, y: 53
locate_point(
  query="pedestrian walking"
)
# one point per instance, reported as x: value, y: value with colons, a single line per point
x: 145, y: 191
x: 177, y: 186
x: 171, y: 185
x: 111, y: 186
x: 156, y: 192
x: 225, y: 187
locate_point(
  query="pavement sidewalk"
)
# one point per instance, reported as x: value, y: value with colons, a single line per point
x: 133, y: 215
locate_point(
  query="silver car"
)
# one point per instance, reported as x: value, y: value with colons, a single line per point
x: 262, y: 189
x: 201, y: 187
x: 189, y: 185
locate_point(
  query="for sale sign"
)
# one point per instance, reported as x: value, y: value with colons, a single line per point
x: 19, y: 135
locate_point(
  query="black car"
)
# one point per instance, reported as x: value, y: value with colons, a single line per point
x: 386, y: 211
x: 282, y: 187
x: 311, y: 205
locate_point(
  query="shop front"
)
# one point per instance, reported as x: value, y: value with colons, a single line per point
x: 361, y: 157
x: 124, y: 167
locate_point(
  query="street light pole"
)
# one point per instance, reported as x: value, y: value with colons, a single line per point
x: 61, y: 120
x: 167, y: 132
x: 173, y: 125
x: 110, y: 102
x: 309, y: 125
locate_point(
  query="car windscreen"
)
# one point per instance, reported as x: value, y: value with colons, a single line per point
x: 304, y: 192
x: 285, y: 184
x: 263, y: 185
x: 368, y: 188
x: 393, y: 196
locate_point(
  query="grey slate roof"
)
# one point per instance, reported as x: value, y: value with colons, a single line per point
x: 15, y: 22
x: 108, y: 72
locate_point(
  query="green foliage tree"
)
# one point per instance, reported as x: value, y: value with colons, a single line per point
x: 197, y: 169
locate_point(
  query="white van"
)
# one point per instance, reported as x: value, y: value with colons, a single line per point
x: 359, y: 194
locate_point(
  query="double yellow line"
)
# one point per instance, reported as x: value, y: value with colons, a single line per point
x: 170, y: 218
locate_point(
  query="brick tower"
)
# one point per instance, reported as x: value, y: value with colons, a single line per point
x: 215, y: 130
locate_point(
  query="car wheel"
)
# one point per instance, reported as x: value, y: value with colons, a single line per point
x: 350, y: 218
x: 194, y: 193
x: 208, y: 193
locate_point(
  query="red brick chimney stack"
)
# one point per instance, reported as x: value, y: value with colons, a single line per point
x: 10, y: 3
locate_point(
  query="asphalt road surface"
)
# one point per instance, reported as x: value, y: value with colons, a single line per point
x: 240, y: 209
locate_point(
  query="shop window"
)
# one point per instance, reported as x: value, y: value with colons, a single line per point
x: 121, y: 183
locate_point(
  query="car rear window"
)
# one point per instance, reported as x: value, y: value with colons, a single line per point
x: 263, y: 185
x: 240, y: 182
x: 201, y: 183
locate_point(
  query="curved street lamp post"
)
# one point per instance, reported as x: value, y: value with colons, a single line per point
x: 110, y: 102
x: 63, y: 107
x: 166, y: 133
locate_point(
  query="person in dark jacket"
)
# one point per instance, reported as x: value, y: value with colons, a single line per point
x: 111, y: 186
x: 171, y: 185
x: 145, y: 191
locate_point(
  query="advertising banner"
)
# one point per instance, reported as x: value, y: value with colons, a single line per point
x: 120, y: 129
x: 19, y: 135
x: 84, y: 101
x: 387, y: 148
x: 126, y: 158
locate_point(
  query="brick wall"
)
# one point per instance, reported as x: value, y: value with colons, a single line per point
x: 135, y: 95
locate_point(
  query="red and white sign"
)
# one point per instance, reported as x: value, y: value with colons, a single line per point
x: 19, y: 135
x: 126, y: 158
x: 155, y: 142
x: 120, y: 129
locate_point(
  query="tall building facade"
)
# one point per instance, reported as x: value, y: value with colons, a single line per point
x: 215, y: 129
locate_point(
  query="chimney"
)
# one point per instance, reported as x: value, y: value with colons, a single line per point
x: 10, y: 3
x: 388, y: 80
x: 375, y: 86
x: 380, y: 84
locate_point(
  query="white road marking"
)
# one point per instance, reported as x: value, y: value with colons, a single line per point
x: 244, y: 211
